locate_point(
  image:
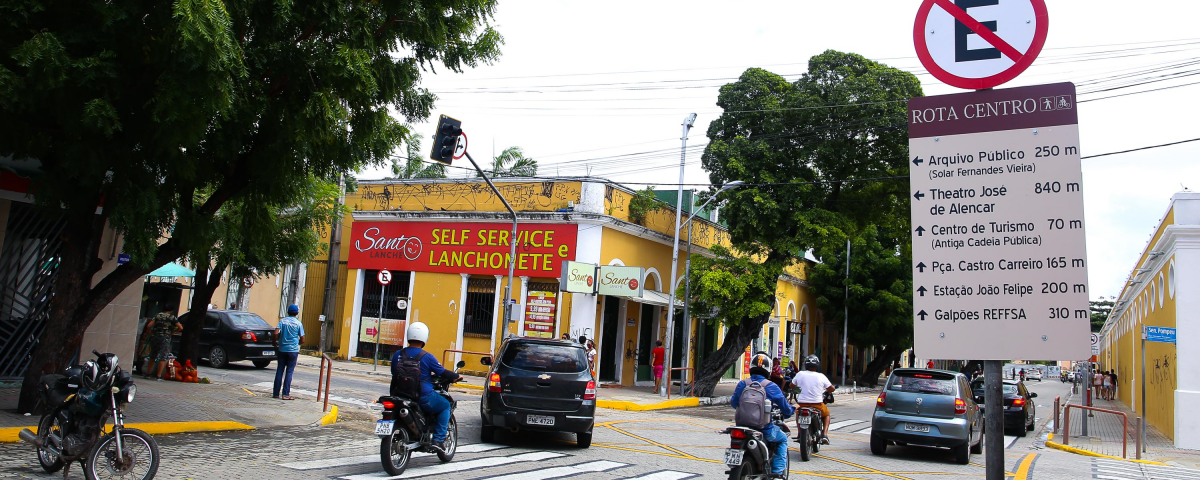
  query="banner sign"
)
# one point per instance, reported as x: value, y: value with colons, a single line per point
x: 578, y: 277
x: 392, y: 332
x: 474, y: 248
x: 621, y: 281
x: 540, y: 309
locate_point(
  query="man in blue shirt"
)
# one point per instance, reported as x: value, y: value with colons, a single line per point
x: 760, y: 370
x: 288, y: 337
x: 433, y: 404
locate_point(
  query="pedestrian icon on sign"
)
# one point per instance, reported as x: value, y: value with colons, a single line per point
x: 1048, y: 104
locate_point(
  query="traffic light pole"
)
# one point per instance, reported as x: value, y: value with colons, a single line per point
x: 512, y: 257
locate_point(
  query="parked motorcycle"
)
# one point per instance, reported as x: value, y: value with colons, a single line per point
x: 405, y: 429
x: 77, y: 407
x: 748, y: 455
x: 812, y: 427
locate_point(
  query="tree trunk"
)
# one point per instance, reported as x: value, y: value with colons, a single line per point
x: 888, y: 355
x: 736, y: 340
x: 207, y: 282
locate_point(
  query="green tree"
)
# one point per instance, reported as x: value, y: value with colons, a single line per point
x: 414, y: 165
x: 806, y: 148
x: 161, y: 113
x: 512, y: 162
x: 1101, y: 309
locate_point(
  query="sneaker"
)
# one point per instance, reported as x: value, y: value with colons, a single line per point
x: 158, y: 379
x: 825, y: 440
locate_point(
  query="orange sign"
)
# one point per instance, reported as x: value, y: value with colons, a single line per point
x: 392, y: 332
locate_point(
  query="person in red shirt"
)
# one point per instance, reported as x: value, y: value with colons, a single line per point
x: 929, y: 365
x: 656, y: 361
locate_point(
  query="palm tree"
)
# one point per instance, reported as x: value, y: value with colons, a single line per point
x: 413, y: 164
x: 512, y: 162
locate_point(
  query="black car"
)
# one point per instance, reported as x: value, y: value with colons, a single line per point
x: 539, y: 385
x: 232, y: 335
x: 1020, y: 413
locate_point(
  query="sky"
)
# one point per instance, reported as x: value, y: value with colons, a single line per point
x: 601, y: 88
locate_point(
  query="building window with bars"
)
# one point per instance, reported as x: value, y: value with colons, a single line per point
x: 480, y: 308
x: 388, y: 331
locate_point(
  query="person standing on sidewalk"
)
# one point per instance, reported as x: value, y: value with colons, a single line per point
x: 656, y: 363
x: 1098, y: 384
x: 591, y: 356
x: 288, y: 337
x: 161, y: 328
x: 1113, y: 392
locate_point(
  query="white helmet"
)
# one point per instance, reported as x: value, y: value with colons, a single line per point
x: 419, y: 332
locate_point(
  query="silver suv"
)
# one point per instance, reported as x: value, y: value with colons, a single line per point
x: 930, y: 408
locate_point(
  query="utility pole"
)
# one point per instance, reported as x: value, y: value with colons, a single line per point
x: 328, y: 307
x: 846, y: 321
x: 687, y: 126
x: 993, y: 399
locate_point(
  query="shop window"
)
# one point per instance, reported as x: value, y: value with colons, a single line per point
x: 285, y: 281
x: 389, y: 332
x: 481, y: 307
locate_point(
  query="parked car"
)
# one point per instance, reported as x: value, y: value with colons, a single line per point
x: 1020, y: 413
x: 232, y: 335
x: 539, y: 385
x: 928, y: 408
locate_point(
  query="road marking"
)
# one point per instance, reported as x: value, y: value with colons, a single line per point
x: 1023, y: 467
x: 664, y: 475
x: 444, y: 468
x: 865, y: 431
x: 362, y: 459
x: 558, y: 472
x: 652, y: 442
x: 845, y: 423
x: 1110, y: 477
x: 310, y: 393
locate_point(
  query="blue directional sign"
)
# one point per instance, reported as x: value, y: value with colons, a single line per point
x: 122, y: 259
x: 1160, y: 334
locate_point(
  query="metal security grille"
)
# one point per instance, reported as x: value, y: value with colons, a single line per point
x: 28, y: 267
x: 481, y: 307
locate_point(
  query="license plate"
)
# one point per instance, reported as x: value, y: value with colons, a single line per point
x: 805, y: 420
x: 540, y: 420
x: 733, y: 457
x: 916, y: 427
x: 384, y: 427
x: 268, y: 353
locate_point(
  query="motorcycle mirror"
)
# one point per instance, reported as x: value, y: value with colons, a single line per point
x: 461, y: 363
x: 95, y: 353
x: 486, y: 361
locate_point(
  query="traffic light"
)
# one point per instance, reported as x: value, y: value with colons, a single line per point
x: 445, y: 139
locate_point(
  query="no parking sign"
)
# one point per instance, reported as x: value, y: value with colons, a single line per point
x: 978, y: 44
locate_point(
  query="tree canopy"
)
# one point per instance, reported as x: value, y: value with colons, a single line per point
x: 163, y: 112
x: 512, y: 162
x: 413, y: 165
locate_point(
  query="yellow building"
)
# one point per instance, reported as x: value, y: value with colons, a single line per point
x: 1161, y: 291
x: 445, y: 243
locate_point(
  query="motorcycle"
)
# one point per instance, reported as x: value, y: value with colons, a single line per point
x: 748, y: 442
x: 810, y: 435
x: 78, y: 405
x: 404, y: 428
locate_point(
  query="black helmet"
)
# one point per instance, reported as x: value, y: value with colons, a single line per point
x: 760, y: 364
x: 811, y: 362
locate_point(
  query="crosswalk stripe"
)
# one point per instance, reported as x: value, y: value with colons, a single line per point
x: 478, y: 463
x: 361, y: 459
x: 865, y: 431
x: 1110, y: 477
x: 664, y: 475
x: 844, y: 423
x: 558, y: 472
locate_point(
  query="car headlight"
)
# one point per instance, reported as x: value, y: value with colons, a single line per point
x: 130, y: 393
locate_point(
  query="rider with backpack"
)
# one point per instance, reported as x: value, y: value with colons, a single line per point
x: 412, y: 369
x: 752, y: 400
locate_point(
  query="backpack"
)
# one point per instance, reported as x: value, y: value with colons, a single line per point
x: 406, y: 376
x: 754, y: 408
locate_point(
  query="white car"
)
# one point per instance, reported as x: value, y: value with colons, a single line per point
x: 1033, y: 375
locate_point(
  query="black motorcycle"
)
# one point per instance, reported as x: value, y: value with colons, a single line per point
x: 405, y: 429
x: 812, y: 428
x: 749, y: 455
x: 77, y: 407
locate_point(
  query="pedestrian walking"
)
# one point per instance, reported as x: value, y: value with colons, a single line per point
x: 288, y: 337
x: 1098, y: 384
x: 1108, y: 386
x: 929, y: 365
x: 591, y: 356
x: 1113, y: 374
x: 657, y: 355
x: 162, y: 327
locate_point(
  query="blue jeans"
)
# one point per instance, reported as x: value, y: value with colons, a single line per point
x: 437, y: 407
x: 284, y: 361
x: 772, y: 434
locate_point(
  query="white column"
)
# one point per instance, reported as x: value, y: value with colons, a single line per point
x: 558, y: 298
x: 1187, y: 346
x: 587, y: 250
x: 524, y: 297
x: 356, y: 315
x: 497, y: 311
x: 462, y: 316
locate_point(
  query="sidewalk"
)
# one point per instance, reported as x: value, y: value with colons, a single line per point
x: 1105, y: 432
x: 174, y: 407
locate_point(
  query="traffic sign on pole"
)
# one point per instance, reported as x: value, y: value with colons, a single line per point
x: 384, y: 277
x: 981, y: 43
x: 1000, y: 229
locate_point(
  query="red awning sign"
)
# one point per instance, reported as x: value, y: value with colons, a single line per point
x: 978, y: 44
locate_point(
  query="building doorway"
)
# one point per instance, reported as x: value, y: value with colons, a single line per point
x: 645, y: 373
x: 608, y: 341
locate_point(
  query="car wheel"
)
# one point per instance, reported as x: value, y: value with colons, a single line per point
x: 217, y: 357
x: 1032, y: 424
x: 487, y: 434
x: 1021, y: 432
x: 878, y: 444
x: 977, y: 448
x: 583, y: 439
x: 962, y: 453
x: 261, y: 363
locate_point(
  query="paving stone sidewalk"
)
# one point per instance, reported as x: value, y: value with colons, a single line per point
x: 1105, y: 431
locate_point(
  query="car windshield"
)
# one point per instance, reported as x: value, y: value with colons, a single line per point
x: 248, y: 320
x: 545, y: 358
x: 921, y: 383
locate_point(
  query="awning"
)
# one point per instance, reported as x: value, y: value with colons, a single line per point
x: 172, y: 270
x: 654, y: 298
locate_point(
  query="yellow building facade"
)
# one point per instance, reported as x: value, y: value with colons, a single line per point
x: 1163, y: 290
x: 445, y: 243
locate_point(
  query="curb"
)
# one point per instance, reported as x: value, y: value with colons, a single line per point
x: 637, y: 407
x: 329, y: 419
x: 1079, y: 451
x: 9, y: 435
x: 468, y: 386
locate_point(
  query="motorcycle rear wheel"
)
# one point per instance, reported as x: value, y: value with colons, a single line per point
x: 451, y: 444
x: 392, y: 451
x: 47, y: 426
x: 802, y: 444
x: 136, y: 446
x: 744, y: 470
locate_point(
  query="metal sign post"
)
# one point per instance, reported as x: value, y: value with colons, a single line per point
x: 384, y: 277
